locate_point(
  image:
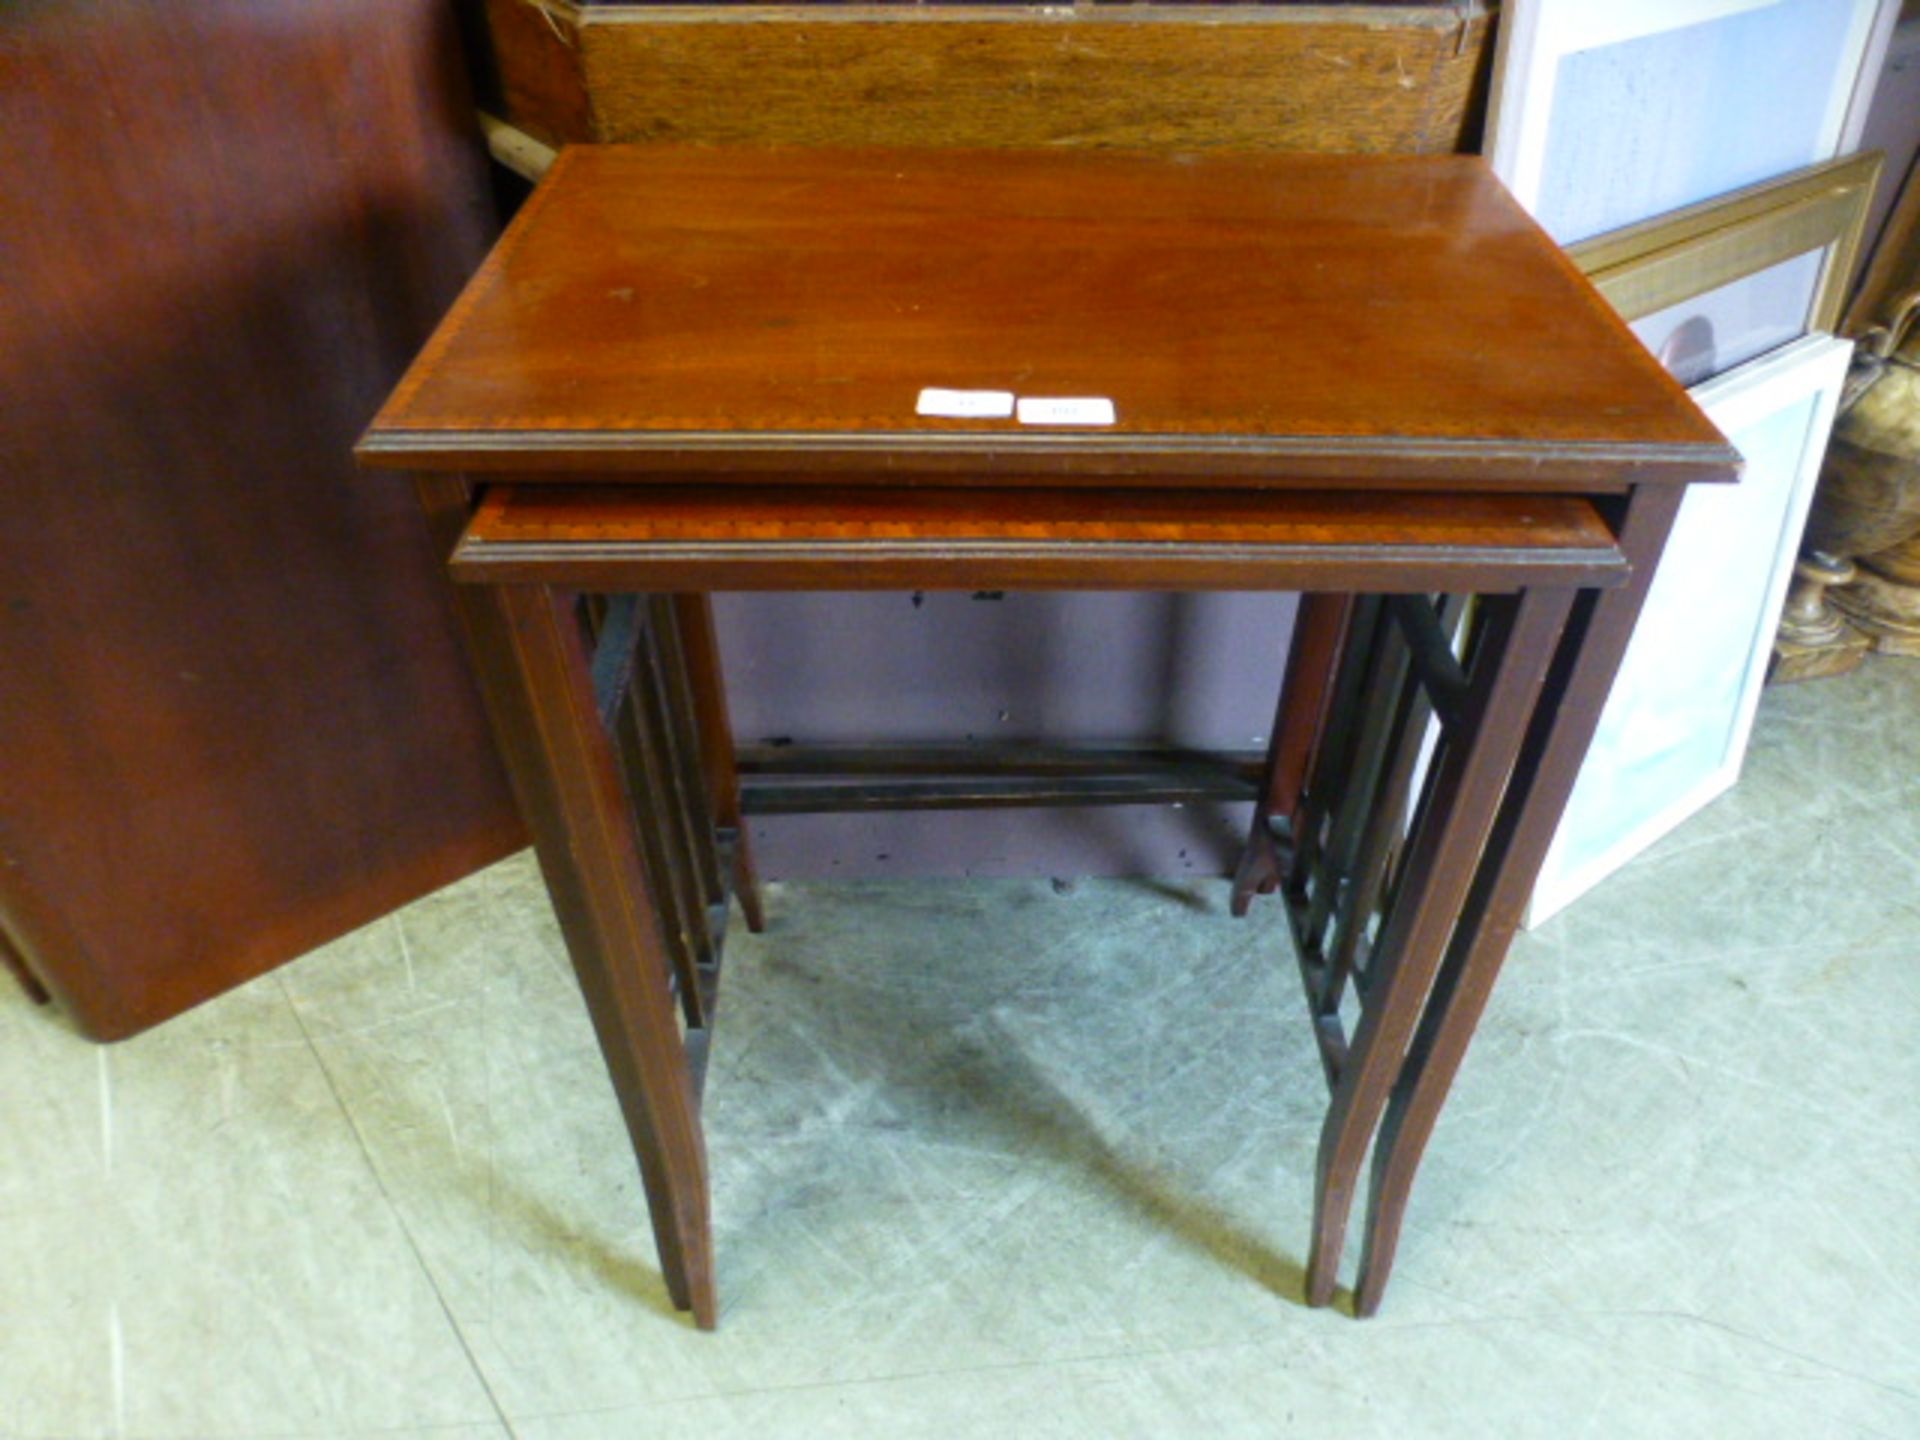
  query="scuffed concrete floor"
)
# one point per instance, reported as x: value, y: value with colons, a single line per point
x: 992, y: 1160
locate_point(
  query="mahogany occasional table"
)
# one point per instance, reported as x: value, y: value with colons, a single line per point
x: 1372, y: 380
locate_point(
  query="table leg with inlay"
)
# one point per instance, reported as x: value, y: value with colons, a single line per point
x: 528, y: 647
x: 1479, y: 743
x: 567, y: 772
x: 1563, y: 726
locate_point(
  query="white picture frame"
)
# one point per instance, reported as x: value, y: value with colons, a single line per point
x: 1675, y: 728
x: 1539, y: 38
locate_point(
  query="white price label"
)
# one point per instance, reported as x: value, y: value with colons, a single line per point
x: 966, y: 404
x: 1066, y: 410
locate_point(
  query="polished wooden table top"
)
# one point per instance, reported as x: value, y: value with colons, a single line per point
x: 1389, y: 320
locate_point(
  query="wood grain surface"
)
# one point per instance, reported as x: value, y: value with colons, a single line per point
x: 528, y: 59
x: 1284, y: 317
x: 1359, y: 78
x: 234, y: 717
x: 668, y: 537
x: 1243, y: 77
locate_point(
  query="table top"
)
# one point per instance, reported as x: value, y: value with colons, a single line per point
x: 663, y: 312
x: 930, y: 537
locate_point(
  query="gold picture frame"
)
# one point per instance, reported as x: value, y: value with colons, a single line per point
x: 1645, y: 267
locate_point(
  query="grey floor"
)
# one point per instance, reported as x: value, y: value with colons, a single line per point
x: 992, y: 1160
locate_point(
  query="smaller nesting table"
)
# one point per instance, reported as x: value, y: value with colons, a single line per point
x: 1373, y: 381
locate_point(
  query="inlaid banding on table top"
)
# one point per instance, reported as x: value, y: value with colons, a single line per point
x: 883, y: 457
x: 1377, y: 318
x: 1277, y: 537
x: 511, y: 514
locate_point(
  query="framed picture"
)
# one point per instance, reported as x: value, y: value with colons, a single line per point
x: 1895, y: 266
x: 1604, y: 114
x: 1713, y: 285
x: 1675, y: 727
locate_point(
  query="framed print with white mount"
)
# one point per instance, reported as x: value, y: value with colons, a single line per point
x: 1603, y: 115
x: 1675, y: 727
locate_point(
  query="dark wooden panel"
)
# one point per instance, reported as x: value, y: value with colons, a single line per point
x: 234, y: 716
x: 1374, y: 318
x: 532, y: 69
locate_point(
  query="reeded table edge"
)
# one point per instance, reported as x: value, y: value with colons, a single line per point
x: 486, y: 561
x: 898, y: 453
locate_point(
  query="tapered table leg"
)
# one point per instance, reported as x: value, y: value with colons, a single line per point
x: 1319, y: 629
x: 1509, y: 665
x: 584, y: 831
x: 528, y: 653
x: 1557, y: 740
